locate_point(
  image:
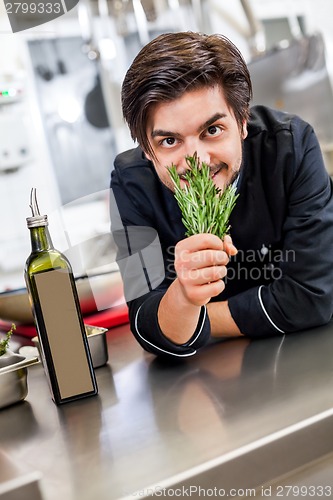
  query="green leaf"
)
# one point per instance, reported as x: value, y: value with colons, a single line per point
x: 4, y: 343
x: 204, y: 207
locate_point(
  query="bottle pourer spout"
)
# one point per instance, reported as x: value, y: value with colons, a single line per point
x: 33, y: 203
x: 36, y: 220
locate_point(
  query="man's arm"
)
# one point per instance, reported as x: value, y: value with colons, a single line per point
x: 175, y: 312
x: 222, y: 323
x: 302, y: 294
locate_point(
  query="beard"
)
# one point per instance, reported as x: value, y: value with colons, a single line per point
x: 222, y: 174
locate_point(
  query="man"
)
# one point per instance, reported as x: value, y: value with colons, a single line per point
x: 187, y: 93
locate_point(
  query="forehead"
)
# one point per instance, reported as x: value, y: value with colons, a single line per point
x: 194, y: 108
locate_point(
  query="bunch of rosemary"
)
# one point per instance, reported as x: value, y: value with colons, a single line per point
x: 4, y: 343
x: 205, y: 207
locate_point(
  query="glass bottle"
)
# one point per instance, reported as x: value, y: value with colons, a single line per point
x: 56, y: 309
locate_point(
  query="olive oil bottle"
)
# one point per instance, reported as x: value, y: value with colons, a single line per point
x: 56, y: 309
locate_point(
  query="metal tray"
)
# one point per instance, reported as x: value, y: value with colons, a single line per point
x: 13, y: 377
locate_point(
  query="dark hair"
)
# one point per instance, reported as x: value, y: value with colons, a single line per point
x: 174, y: 63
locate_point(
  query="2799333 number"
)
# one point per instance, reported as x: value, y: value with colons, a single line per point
x: 304, y: 491
x: 33, y: 8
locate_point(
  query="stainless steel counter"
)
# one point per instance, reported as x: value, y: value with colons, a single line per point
x: 238, y: 415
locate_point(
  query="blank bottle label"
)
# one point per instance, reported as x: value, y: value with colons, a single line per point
x: 64, y: 333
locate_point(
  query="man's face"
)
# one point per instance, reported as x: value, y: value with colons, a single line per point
x: 198, y: 121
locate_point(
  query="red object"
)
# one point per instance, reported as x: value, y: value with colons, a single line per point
x: 107, y: 319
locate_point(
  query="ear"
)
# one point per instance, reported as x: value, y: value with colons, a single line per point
x: 244, y: 130
x: 148, y: 156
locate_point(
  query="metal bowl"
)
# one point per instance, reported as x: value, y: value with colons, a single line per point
x: 96, y: 292
x: 13, y: 378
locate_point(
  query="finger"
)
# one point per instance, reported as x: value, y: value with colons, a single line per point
x: 199, y: 242
x: 228, y: 245
x: 202, y: 294
x: 200, y: 259
x: 195, y: 277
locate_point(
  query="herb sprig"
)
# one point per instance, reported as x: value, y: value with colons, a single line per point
x: 4, y: 343
x: 205, y: 207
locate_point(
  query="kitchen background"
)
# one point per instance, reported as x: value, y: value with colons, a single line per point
x: 60, y: 116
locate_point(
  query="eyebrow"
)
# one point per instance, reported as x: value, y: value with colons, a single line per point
x: 168, y: 133
x: 212, y: 120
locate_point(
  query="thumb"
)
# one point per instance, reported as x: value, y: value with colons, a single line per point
x: 229, y: 247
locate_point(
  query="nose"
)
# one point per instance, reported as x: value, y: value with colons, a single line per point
x: 191, y: 149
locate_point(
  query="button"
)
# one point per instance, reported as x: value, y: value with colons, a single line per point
x: 264, y: 249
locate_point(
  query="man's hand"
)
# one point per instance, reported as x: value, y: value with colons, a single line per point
x: 200, y: 264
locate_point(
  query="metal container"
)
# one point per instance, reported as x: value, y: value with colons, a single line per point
x: 13, y: 378
x: 97, y: 345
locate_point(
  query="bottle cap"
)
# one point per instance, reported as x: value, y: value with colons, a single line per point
x: 36, y: 220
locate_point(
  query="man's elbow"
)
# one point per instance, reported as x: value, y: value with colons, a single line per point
x: 319, y: 314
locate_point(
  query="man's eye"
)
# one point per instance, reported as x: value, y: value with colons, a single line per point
x: 214, y: 130
x: 168, y: 142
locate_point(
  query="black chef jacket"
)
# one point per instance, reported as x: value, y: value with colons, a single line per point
x: 281, y: 280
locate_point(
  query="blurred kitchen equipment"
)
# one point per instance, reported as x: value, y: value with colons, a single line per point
x: 141, y: 22
x: 292, y: 76
x: 15, y: 147
x: 79, y: 138
x: 13, y: 377
x: 94, y: 106
x: 146, y: 17
x: 92, y: 289
x: 257, y: 40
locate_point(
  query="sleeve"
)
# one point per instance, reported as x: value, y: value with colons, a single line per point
x: 303, y: 296
x: 145, y: 274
